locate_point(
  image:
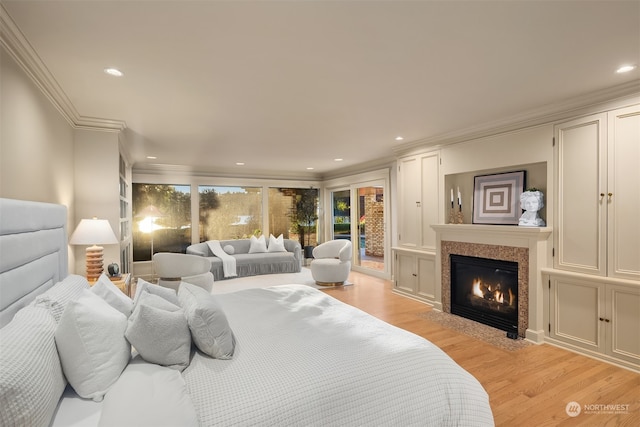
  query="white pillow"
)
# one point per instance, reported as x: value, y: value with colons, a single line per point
x: 258, y: 245
x: 276, y: 244
x: 57, y: 297
x: 230, y: 250
x: 208, y: 323
x: 159, y: 332
x: 91, y: 345
x: 160, y: 398
x: 31, y: 378
x: 166, y: 293
x: 109, y: 292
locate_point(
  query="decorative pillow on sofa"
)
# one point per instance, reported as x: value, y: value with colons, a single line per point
x: 230, y: 250
x: 56, y: 298
x: 31, y: 379
x: 258, y: 245
x: 91, y: 344
x: 166, y: 293
x: 208, y: 323
x: 276, y: 244
x: 109, y: 292
x: 158, y: 330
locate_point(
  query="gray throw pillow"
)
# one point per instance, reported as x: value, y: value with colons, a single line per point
x: 208, y: 323
x: 158, y: 330
x: 143, y: 286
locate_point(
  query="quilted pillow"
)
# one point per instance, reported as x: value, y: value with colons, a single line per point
x: 209, y: 327
x: 109, y: 292
x: 31, y: 378
x: 159, y: 331
x: 166, y: 293
x: 91, y: 344
x: 68, y: 289
x: 230, y: 250
x: 161, y: 398
x: 258, y: 245
x: 276, y: 244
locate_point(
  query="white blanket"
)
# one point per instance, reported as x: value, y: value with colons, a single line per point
x: 228, y: 262
x: 304, y: 358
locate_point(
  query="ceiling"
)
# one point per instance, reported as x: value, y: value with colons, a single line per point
x: 283, y: 86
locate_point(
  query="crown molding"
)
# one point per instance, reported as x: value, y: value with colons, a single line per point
x: 19, y: 48
x: 605, y: 98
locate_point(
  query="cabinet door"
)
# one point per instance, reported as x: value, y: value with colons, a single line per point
x: 430, y: 199
x: 623, y: 306
x: 409, y: 202
x: 426, y: 265
x: 623, y: 195
x: 575, y: 311
x: 405, y: 272
x: 581, y: 202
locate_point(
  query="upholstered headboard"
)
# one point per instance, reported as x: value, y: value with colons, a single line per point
x: 33, y: 252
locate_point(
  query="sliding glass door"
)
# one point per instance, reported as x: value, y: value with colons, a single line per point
x: 371, y: 227
x: 358, y: 214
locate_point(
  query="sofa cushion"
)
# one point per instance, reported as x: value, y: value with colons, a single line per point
x: 276, y: 244
x: 258, y: 245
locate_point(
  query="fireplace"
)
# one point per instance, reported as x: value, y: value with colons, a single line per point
x: 485, y: 290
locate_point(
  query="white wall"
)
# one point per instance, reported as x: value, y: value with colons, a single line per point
x: 96, y: 192
x: 36, y: 143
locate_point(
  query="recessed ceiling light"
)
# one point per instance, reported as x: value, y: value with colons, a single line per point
x: 338, y: 160
x: 151, y: 157
x: 625, y: 68
x: 399, y: 138
x: 309, y: 168
x: 239, y: 163
x: 113, y: 72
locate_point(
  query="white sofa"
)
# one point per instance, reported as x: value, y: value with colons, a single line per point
x: 252, y: 264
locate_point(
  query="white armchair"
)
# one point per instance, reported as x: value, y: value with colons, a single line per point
x: 173, y: 268
x: 331, y: 262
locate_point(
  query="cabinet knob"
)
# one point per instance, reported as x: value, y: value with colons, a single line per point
x: 602, y: 319
x: 415, y: 275
x: 601, y: 194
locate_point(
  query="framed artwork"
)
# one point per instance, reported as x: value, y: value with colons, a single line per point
x: 496, y: 198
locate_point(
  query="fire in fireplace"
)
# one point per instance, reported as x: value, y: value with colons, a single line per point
x: 485, y: 290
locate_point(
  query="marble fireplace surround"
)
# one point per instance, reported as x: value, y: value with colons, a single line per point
x: 497, y: 252
x: 528, y: 246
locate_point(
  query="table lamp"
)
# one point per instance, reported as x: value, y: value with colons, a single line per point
x: 93, y: 232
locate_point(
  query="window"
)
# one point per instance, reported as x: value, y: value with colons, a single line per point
x: 229, y: 212
x: 161, y: 219
x: 293, y: 212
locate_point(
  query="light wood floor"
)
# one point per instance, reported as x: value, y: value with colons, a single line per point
x: 528, y: 387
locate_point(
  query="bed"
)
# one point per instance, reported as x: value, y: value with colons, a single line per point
x: 297, y: 355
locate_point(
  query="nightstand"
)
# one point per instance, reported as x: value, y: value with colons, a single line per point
x: 123, y: 282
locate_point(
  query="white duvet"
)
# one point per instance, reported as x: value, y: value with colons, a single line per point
x: 303, y: 358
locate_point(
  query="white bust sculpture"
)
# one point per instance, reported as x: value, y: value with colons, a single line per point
x: 531, y: 202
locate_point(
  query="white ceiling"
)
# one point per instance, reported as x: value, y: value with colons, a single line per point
x: 286, y: 85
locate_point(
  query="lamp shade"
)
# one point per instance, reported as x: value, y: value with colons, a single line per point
x: 93, y: 232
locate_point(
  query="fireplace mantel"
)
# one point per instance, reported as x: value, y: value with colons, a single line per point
x: 521, y: 237
x: 535, y: 239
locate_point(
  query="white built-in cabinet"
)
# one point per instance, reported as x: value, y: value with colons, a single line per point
x: 598, y: 194
x: 594, y: 287
x: 418, y: 184
x: 598, y: 318
x: 418, y: 207
x: 415, y: 274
